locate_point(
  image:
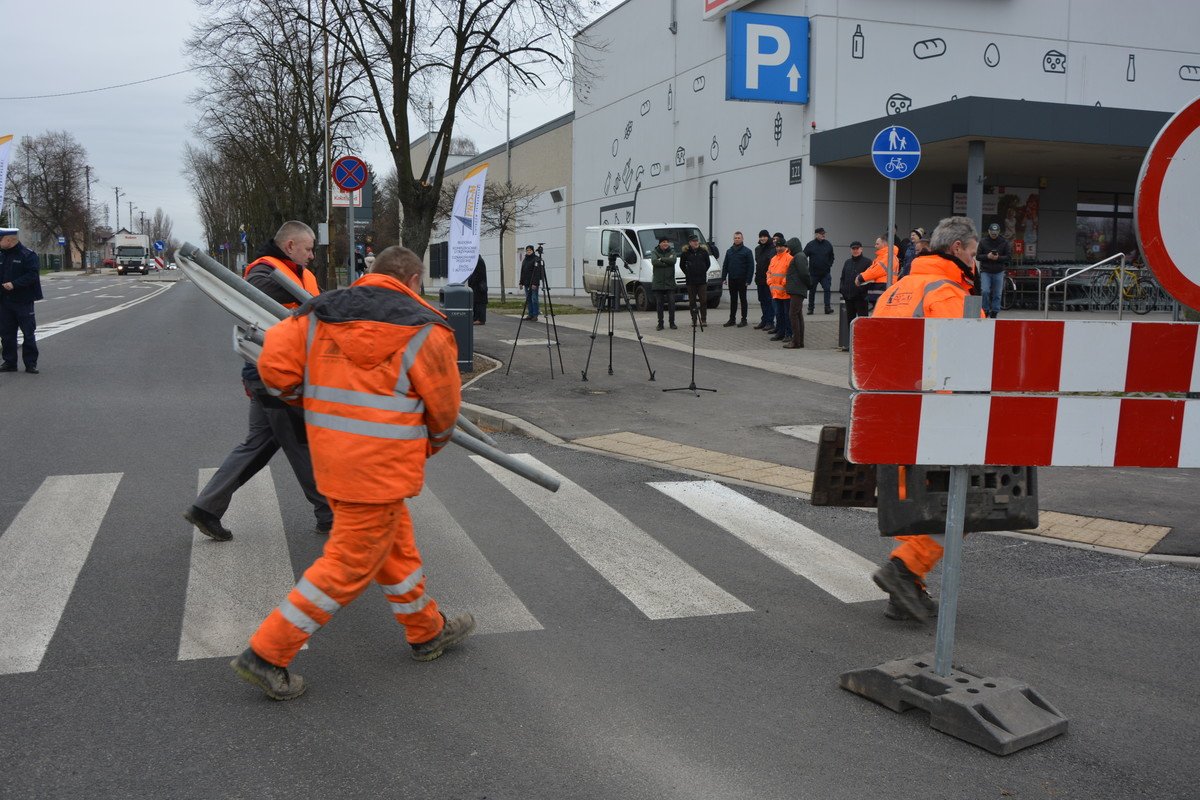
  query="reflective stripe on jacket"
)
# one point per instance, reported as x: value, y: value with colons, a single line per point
x: 777, y: 275
x: 381, y: 387
x: 306, y: 281
x: 934, y: 288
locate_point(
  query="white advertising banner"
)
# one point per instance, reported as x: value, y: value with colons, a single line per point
x: 5, y: 148
x: 465, y: 221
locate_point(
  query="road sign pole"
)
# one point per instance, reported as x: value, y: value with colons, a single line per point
x: 350, y: 238
x: 956, y: 513
x: 891, y: 226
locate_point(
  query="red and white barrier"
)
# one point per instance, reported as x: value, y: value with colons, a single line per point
x: 984, y: 355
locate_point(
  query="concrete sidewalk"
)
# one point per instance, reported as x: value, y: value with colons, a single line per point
x: 751, y: 431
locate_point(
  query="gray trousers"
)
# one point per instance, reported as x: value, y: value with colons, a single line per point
x: 271, y: 428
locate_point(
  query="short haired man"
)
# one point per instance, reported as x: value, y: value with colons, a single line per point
x: 20, y: 288
x: 738, y: 270
x: 375, y: 365
x: 273, y: 423
x: 694, y: 263
x: 763, y: 253
x: 531, y: 281
x: 854, y: 294
x: 993, y: 261
x: 937, y: 286
x: 662, y: 279
x: 820, y: 266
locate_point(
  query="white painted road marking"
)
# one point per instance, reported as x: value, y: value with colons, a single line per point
x: 809, y: 433
x: 41, y: 555
x: 842, y: 573
x: 460, y: 577
x: 233, y: 585
x: 654, y: 579
x: 47, y: 330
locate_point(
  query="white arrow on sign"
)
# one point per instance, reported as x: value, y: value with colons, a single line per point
x: 794, y: 79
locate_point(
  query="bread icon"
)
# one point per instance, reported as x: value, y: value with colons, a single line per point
x: 1054, y: 61
x: 1189, y: 72
x: 929, y: 48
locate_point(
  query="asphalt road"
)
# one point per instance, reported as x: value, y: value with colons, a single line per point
x: 584, y: 688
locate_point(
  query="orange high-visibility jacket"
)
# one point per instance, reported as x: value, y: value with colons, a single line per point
x: 777, y: 275
x: 377, y: 368
x: 307, y: 281
x: 934, y: 288
x: 877, y: 272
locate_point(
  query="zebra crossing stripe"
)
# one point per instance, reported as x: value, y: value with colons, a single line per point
x: 842, y: 573
x: 462, y: 577
x: 41, y: 555
x: 658, y: 582
x: 233, y: 585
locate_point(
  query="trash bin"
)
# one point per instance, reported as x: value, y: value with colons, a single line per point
x: 456, y: 302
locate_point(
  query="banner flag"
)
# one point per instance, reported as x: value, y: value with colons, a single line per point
x: 465, y: 222
x: 5, y: 148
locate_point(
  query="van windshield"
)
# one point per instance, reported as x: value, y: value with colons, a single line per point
x: 648, y: 239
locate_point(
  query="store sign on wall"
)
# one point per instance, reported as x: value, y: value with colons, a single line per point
x: 715, y: 9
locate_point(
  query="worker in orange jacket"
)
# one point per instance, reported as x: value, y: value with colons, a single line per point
x: 877, y: 272
x: 375, y: 368
x: 777, y: 282
x: 936, y: 286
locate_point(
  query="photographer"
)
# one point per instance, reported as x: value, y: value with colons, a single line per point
x: 993, y: 261
x: 532, y: 275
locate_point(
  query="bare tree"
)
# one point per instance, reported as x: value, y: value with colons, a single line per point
x: 410, y: 51
x: 160, y: 226
x: 463, y: 146
x: 47, y: 174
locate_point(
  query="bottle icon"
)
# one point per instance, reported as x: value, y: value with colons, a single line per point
x: 1131, y: 70
x: 857, y: 43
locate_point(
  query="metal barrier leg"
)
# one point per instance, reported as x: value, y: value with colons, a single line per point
x: 956, y: 512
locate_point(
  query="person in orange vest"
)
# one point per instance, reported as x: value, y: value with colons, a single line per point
x: 874, y: 278
x: 274, y: 425
x: 374, y: 367
x: 936, y: 286
x: 777, y: 281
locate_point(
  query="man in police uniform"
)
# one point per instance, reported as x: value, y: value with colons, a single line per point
x: 20, y: 287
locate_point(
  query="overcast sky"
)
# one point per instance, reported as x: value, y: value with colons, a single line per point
x: 134, y: 136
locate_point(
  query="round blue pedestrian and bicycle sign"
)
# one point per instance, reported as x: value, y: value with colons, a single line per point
x: 350, y: 173
x: 896, y: 152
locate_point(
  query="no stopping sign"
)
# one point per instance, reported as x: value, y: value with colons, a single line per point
x: 1167, y: 206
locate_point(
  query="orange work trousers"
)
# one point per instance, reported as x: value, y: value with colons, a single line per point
x: 369, y: 541
x: 919, y: 553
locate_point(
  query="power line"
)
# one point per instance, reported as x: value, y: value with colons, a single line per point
x: 102, y: 88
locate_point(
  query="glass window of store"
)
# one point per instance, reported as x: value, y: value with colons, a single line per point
x: 1103, y: 225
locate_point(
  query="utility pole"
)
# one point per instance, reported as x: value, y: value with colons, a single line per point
x: 131, y: 213
x: 87, y: 220
x: 330, y: 272
x: 143, y: 228
x: 117, y: 205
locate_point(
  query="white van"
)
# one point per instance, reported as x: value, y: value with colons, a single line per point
x: 632, y: 245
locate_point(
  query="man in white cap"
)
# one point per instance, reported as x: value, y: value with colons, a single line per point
x: 20, y: 287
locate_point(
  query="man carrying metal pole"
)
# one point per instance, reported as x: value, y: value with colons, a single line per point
x: 375, y: 368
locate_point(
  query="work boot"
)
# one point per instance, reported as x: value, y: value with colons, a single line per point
x: 453, y: 631
x: 893, y: 611
x: 208, y: 523
x: 276, y: 682
x: 8, y: 367
x: 674, y: 327
x: 901, y: 584
x: 729, y: 324
x: 32, y: 370
x: 660, y: 326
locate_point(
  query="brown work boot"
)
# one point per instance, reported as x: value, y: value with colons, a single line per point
x: 276, y: 682
x: 454, y: 630
x: 901, y: 585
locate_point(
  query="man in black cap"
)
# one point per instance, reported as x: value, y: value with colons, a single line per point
x: 993, y: 261
x: 820, y: 267
x: 763, y: 254
x: 693, y: 261
x: 854, y: 295
x: 20, y: 287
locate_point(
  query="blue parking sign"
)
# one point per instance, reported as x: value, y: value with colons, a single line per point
x: 896, y: 152
x: 766, y: 57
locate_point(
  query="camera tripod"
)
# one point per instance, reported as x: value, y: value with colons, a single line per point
x: 616, y: 293
x: 551, y: 325
x: 692, y: 387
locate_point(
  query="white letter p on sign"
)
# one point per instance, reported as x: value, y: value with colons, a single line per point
x: 755, y: 58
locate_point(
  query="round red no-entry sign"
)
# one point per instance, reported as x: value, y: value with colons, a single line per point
x: 350, y: 173
x: 1167, y: 206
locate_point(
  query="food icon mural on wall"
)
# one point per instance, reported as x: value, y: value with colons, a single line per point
x: 627, y: 175
x: 778, y: 127
x: 898, y: 104
x: 1130, y: 70
x: 745, y: 143
x: 670, y: 97
x: 655, y: 169
x: 698, y: 84
x: 616, y: 146
x: 714, y: 149
x: 645, y: 107
x: 991, y: 55
x: 607, y: 181
x: 680, y: 156
x: 637, y: 177
x: 1055, y: 62
x: 929, y: 48
x: 1189, y: 72
x: 858, y: 43
x: 628, y: 129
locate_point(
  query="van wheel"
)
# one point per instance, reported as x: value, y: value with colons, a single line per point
x: 641, y: 298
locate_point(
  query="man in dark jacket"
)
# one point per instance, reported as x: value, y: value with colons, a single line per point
x: 531, y: 280
x: 273, y: 423
x: 993, y: 261
x: 20, y: 288
x: 763, y: 254
x: 738, y: 270
x: 694, y: 263
x: 662, y: 266
x: 479, y: 292
x: 797, y: 286
x: 854, y: 295
x: 820, y: 266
